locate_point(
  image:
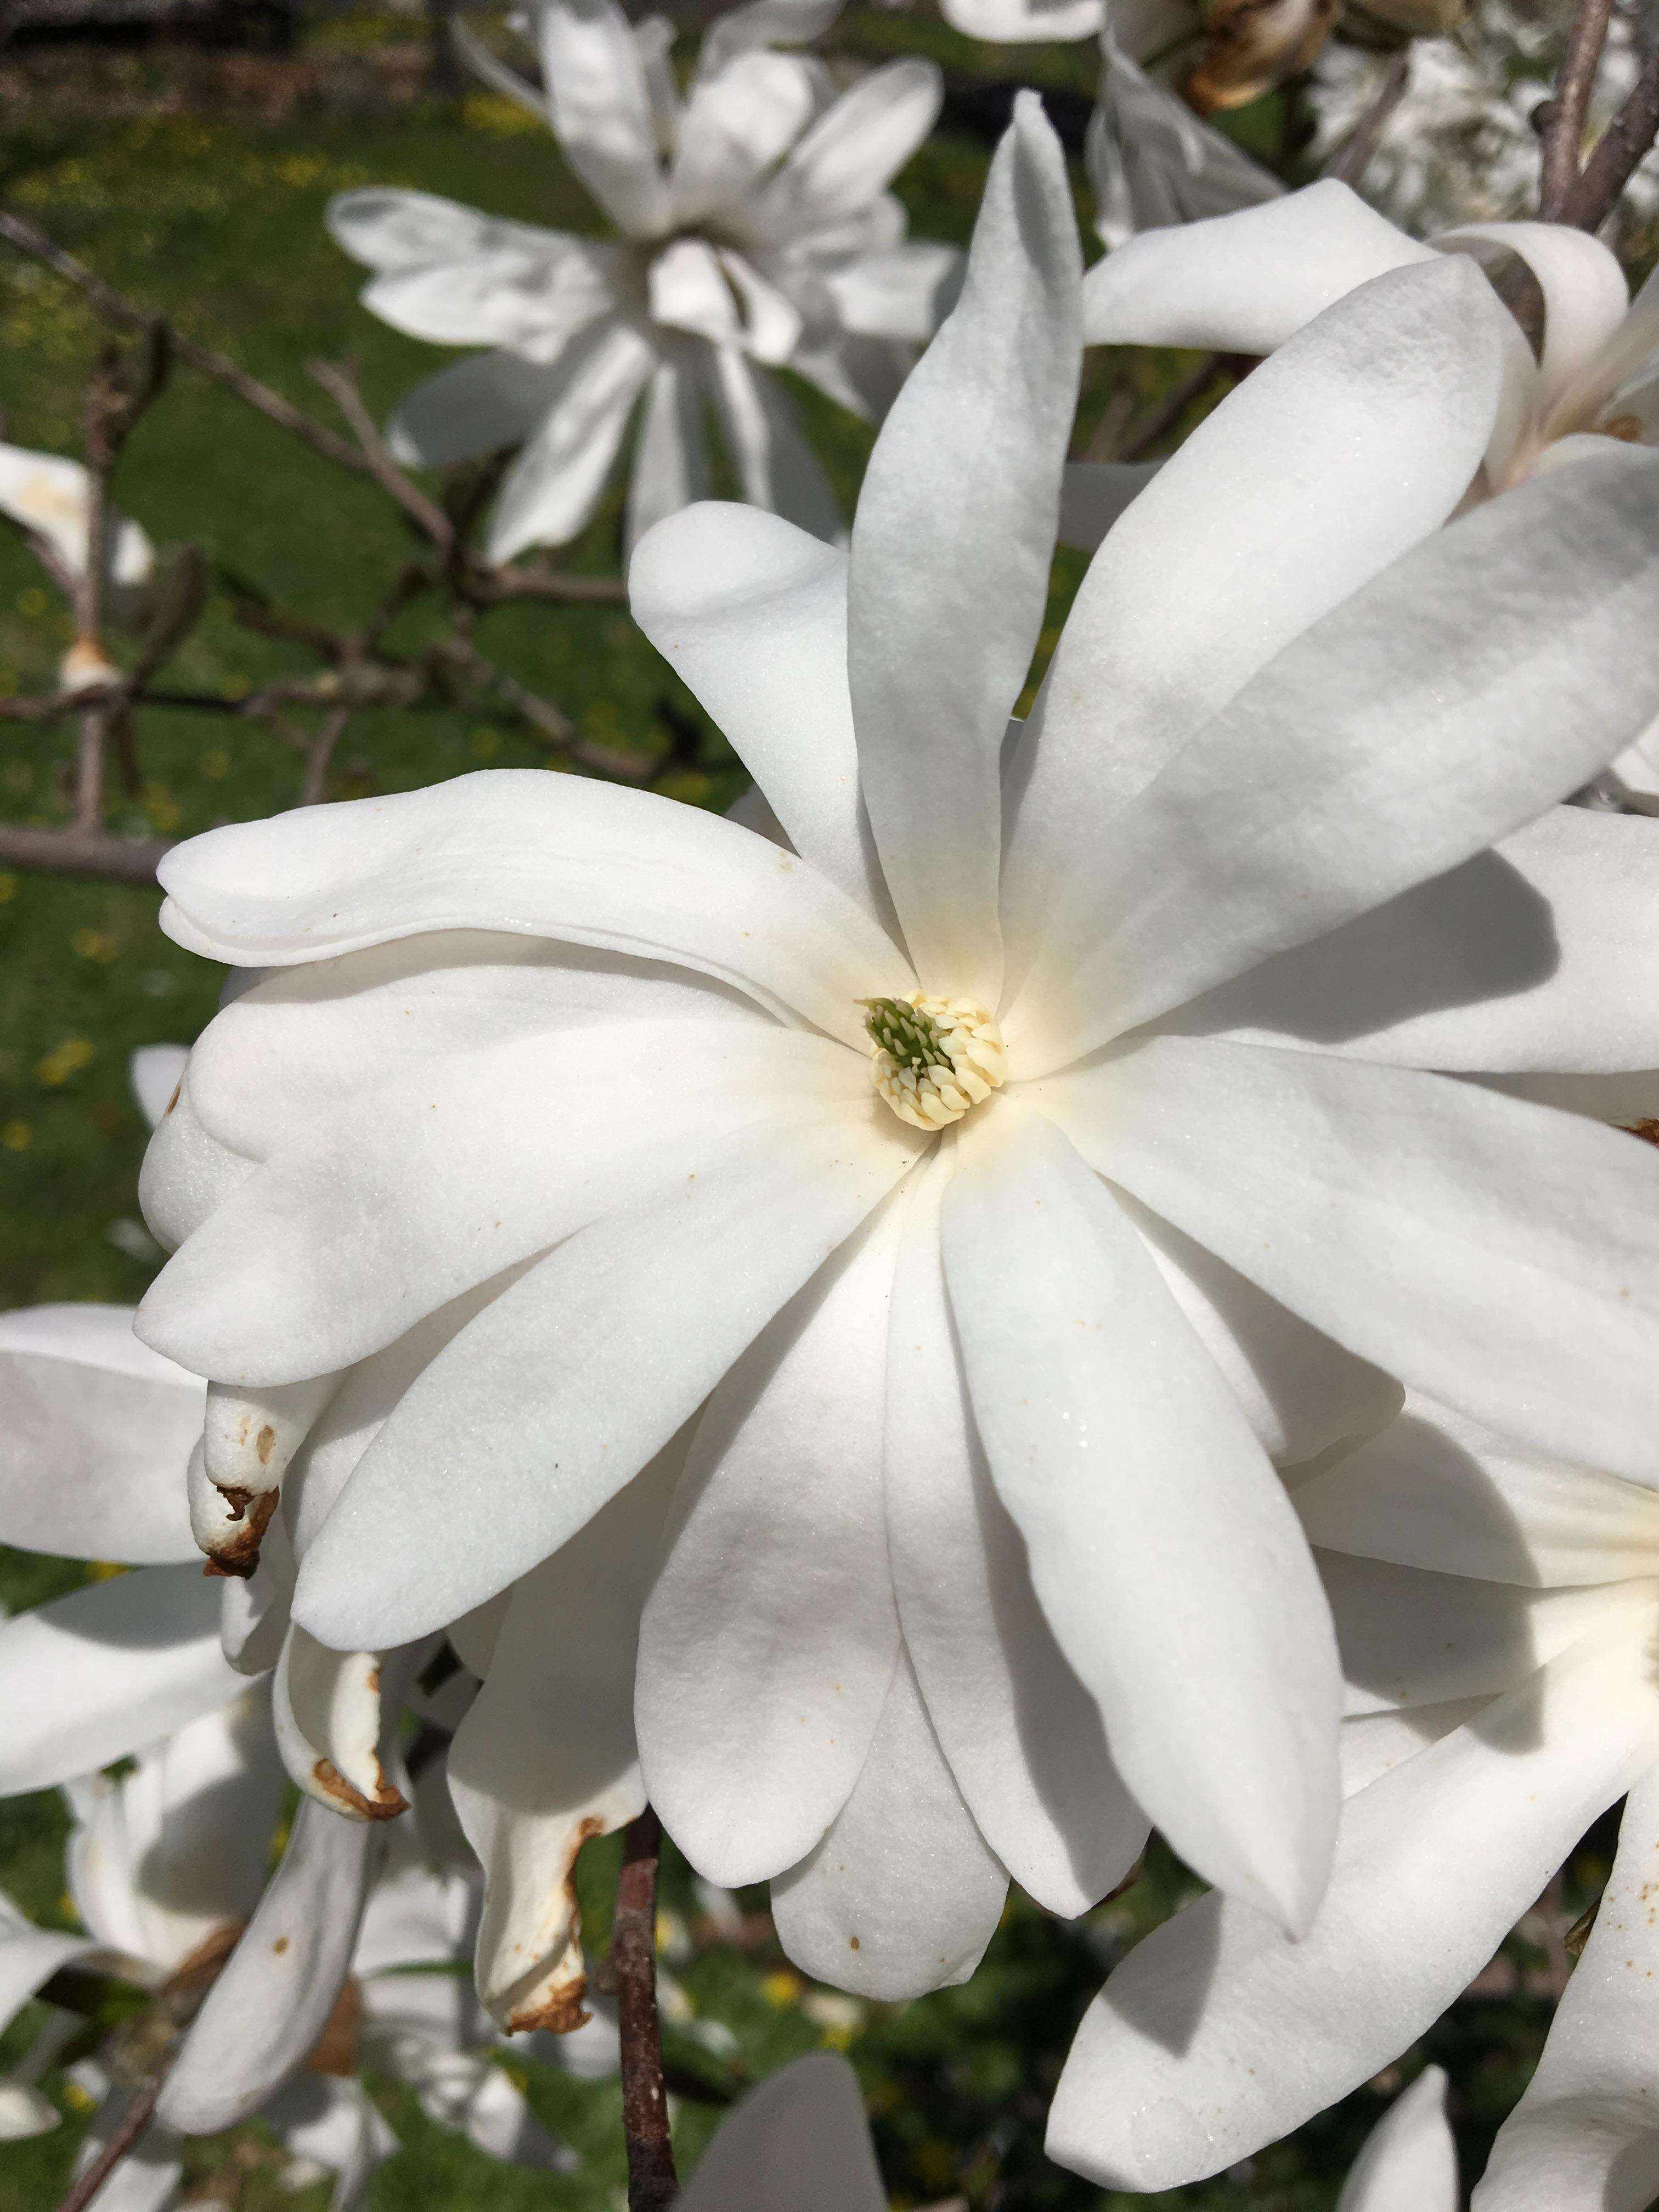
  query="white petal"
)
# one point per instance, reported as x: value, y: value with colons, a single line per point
x: 546, y: 1758
x: 586, y: 1367
x: 97, y: 1434
x: 388, y: 228
x: 540, y: 855
x: 798, y: 2142
x: 1023, y: 1737
x: 1243, y: 282
x: 670, y: 467
x: 1436, y: 1490
x: 1284, y: 501
x: 1585, y: 296
x: 852, y: 153
x: 897, y: 292
x: 688, y: 291
x: 30, y: 1956
x: 771, y: 1634
x: 1218, y: 2034
x: 155, y: 1072
x: 480, y: 406
x: 553, y: 487
x: 1150, y: 160
x: 1408, y: 2162
x: 776, y: 466
x: 1584, y: 2137
x: 1012, y: 22
x: 1483, y: 677
x: 600, y: 106
x: 327, y: 1708
x: 901, y: 1896
x: 764, y: 24
x: 334, y: 2122
x: 535, y: 294
x: 265, y: 2012
x: 752, y: 613
x: 147, y: 2178
x: 1529, y: 956
x: 186, y: 1174
x: 1163, y: 1549
x: 950, y: 562
x: 443, y: 1178
x: 736, y: 124
x: 1494, y: 1253
x: 90, y: 1677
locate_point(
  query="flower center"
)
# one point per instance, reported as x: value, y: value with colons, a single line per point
x: 932, y: 1058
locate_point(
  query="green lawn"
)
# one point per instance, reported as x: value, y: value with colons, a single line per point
x: 218, y: 222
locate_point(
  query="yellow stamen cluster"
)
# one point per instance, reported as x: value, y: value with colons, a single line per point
x: 932, y: 1058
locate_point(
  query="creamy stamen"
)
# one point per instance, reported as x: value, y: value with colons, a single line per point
x: 932, y: 1058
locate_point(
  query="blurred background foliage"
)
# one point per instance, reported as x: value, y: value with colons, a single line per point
x: 195, y: 180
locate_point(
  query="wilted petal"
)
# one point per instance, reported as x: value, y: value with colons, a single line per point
x: 327, y: 1708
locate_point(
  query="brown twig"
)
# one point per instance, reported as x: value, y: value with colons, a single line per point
x: 29, y: 239
x: 77, y: 852
x: 1161, y: 417
x: 1618, y: 153
x: 1560, y: 122
x: 488, y: 585
x: 133, y: 2123
x: 319, y: 754
x: 425, y: 513
x: 653, y: 2183
x: 1349, y: 162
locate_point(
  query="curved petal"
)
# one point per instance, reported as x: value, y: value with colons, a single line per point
x: 1481, y: 678
x: 1150, y: 160
x: 1502, y: 1260
x: 536, y: 297
x: 599, y: 104
x: 155, y: 1071
x: 1584, y: 2137
x: 762, y: 23
x: 29, y: 1956
x: 538, y: 855
x: 797, y: 2142
x: 263, y: 2017
x: 546, y: 1756
x: 586, y: 1367
x: 952, y: 546
x: 1218, y: 2034
x: 327, y: 1708
x: 1262, y: 551
x: 1586, y: 298
x: 1156, y: 1527
x: 776, y: 466
x: 1023, y: 1737
x: 1243, y: 282
x: 771, y: 1634
x: 851, y: 153
x: 752, y: 613
x: 1529, y: 956
x: 388, y: 228
x: 671, y: 464
x: 736, y: 124
x: 481, y: 405
x: 443, y: 1178
x: 187, y: 1174
x: 1438, y: 1491
x: 97, y: 1435
x: 1408, y: 2162
x: 897, y: 291
x: 1013, y: 22
x: 552, y: 488
x: 90, y: 1677
x: 901, y: 1896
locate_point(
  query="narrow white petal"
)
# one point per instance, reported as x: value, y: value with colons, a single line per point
x: 600, y: 106
x: 797, y: 2142
x: 1408, y: 2162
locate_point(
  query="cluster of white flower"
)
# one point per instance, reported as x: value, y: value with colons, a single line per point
x: 1050, y: 1278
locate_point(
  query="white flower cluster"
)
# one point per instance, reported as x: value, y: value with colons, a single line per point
x: 1056, y: 1276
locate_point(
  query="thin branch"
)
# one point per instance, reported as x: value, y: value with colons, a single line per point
x: 424, y: 513
x: 1561, y: 121
x: 319, y: 754
x: 1349, y: 162
x: 133, y: 2123
x: 1618, y: 154
x: 652, y: 2184
x: 1161, y: 417
x: 82, y: 853
x: 487, y: 585
x: 28, y: 238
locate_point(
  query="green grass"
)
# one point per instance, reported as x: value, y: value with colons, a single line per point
x: 218, y: 223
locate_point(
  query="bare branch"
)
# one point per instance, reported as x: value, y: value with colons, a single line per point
x: 486, y: 586
x: 1560, y: 123
x: 1163, y: 415
x: 1617, y: 155
x: 133, y: 2121
x: 424, y: 513
x: 319, y: 754
x: 75, y: 852
x: 28, y: 238
x: 653, y: 2183
x: 1349, y: 162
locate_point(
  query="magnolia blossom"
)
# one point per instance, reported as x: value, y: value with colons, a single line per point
x: 1408, y: 2162
x: 756, y: 229
x: 48, y: 497
x: 955, y: 1209
x: 798, y: 2142
x: 1497, y: 1611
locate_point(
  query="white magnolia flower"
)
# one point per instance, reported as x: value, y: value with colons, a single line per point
x: 1408, y: 2162
x: 553, y: 1125
x: 1151, y: 161
x: 756, y: 229
x: 47, y: 494
x: 797, y: 2142
x: 1497, y: 1611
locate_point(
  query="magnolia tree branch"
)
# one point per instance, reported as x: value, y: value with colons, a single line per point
x: 1617, y: 154
x: 133, y: 2121
x: 1352, y: 157
x: 95, y: 853
x: 1561, y: 121
x: 653, y: 2183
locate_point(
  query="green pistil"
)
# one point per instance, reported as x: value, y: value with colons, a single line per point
x: 909, y: 1037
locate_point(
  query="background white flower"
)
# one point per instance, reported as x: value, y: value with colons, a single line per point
x: 756, y: 229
